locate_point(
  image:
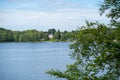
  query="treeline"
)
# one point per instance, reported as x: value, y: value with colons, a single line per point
x: 35, y: 35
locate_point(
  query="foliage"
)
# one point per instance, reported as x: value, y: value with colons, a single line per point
x: 112, y: 9
x: 96, y: 53
x: 31, y: 35
x: 68, y: 36
x: 57, y: 36
x: 6, y: 35
x: 51, y: 31
x: 45, y: 37
x: 97, y: 49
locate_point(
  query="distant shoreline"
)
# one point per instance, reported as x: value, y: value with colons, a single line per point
x: 33, y: 35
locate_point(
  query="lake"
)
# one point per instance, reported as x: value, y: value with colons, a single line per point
x: 30, y: 61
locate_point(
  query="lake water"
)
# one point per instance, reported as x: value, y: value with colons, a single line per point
x: 30, y: 61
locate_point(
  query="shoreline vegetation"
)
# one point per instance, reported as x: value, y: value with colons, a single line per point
x: 52, y: 35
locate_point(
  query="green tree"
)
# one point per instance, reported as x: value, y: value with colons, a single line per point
x: 112, y: 9
x: 41, y: 34
x: 30, y: 35
x: 6, y: 35
x: 57, y: 35
x: 51, y: 31
x: 68, y: 36
x: 16, y: 35
x: 96, y: 50
x: 45, y: 37
x: 96, y: 54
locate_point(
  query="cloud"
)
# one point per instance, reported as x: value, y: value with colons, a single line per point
x: 67, y: 18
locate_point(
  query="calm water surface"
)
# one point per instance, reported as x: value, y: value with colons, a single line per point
x: 30, y: 61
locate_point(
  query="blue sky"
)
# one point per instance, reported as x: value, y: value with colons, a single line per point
x: 46, y: 14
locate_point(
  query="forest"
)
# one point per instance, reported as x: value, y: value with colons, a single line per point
x: 35, y: 35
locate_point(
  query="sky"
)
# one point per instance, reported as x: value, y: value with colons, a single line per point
x: 46, y: 14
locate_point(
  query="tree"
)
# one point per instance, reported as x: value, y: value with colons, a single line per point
x: 67, y: 36
x: 45, y: 37
x: 96, y: 50
x: 40, y: 35
x: 96, y: 53
x: 28, y: 36
x: 6, y: 35
x: 16, y: 35
x: 51, y: 31
x: 57, y: 35
x: 112, y: 9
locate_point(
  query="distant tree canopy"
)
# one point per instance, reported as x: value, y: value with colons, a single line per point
x: 5, y: 35
x: 33, y: 35
x: 51, y: 31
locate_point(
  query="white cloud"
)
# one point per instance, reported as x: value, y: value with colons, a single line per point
x: 60, y: 17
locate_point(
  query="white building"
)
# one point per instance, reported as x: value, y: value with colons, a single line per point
x: 50, y: 36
